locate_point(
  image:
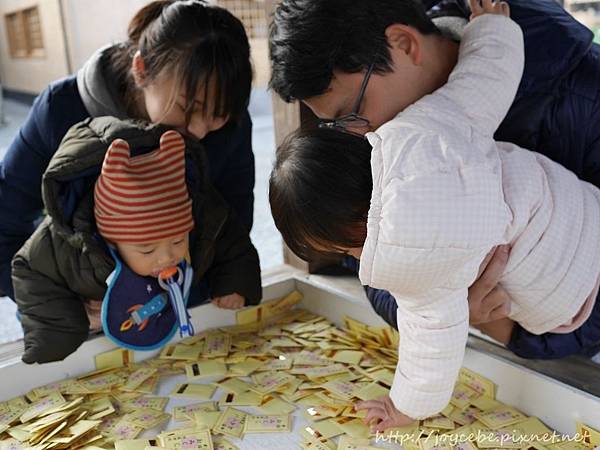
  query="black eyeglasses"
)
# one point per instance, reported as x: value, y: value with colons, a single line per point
x: 352, y: 120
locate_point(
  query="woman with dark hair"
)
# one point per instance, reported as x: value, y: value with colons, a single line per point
x: 185, y: 64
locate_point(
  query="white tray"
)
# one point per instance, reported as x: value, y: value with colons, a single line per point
x: 555, y: 403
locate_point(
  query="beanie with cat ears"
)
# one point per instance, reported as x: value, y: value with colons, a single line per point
x: 143, y: 199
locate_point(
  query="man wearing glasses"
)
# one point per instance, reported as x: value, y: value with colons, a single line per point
x: 358, y: 63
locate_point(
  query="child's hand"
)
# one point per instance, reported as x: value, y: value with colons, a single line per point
x: 231, y: 301
x: 481, y: 7
x: 384, y: 413
x: 488, y: 301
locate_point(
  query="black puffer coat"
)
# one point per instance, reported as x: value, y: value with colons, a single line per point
x: 65, y: 262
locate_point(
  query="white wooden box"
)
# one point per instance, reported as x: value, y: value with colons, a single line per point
x: 557, y: 404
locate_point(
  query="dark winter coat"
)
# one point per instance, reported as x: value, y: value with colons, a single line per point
x: 66, y: 262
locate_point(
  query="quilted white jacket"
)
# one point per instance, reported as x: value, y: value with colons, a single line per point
x: 445, y: 193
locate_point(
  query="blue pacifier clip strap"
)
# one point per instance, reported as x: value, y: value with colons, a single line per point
x: 177, y: 301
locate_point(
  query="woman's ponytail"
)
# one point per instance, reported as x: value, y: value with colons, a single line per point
x: 144, y: 18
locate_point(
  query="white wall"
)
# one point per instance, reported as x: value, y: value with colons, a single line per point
x: 91, y: 24
x: 33, y: 74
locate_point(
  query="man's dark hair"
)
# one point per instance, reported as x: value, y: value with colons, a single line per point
x: 309, y: 39
x: 320, y: 191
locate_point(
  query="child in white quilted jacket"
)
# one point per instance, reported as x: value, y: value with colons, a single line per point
x: 440, y: 195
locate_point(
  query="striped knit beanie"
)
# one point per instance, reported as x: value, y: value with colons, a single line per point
x: 143, y: 199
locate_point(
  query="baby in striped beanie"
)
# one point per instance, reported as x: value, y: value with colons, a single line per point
x: 142, y: 205
x: 143, y: 208
x: 135, y: 234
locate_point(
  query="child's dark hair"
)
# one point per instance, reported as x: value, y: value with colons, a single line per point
x: 309, y: 39
x: 320, y: 191
x: 193, y: 41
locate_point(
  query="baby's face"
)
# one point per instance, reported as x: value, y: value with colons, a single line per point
x: 151, y: 259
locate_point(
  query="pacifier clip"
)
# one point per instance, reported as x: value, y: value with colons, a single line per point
x: 174, y: 287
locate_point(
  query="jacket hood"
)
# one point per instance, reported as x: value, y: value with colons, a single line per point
x: 98, y: 94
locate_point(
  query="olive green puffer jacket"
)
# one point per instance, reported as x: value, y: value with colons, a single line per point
x: 65, y: 262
